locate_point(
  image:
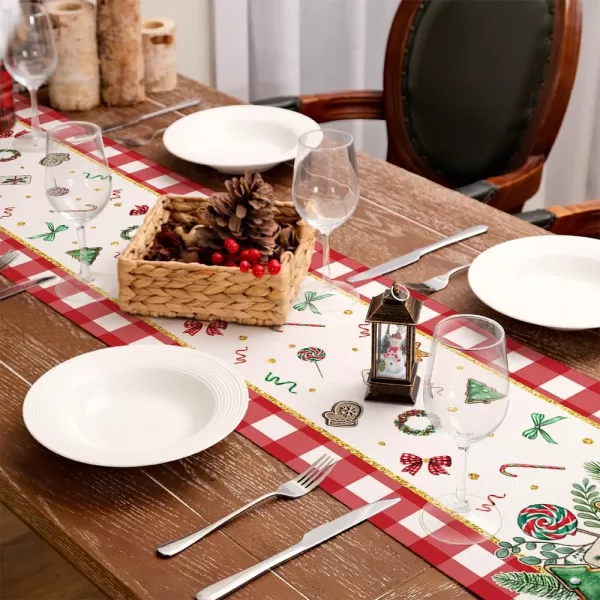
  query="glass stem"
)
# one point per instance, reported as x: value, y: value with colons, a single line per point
x: 84, y: 269
x: 326, y: 261
x: 35, y: 113
x: 461, y: 484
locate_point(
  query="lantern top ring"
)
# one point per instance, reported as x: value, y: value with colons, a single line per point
x: 399, y: 292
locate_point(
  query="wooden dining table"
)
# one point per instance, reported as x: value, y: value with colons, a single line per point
x: 108, y: 522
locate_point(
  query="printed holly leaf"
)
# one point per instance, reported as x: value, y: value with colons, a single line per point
x: 505, y: 545
x: 530, y: 545
x: 565, y: 550
x: 502, y: 552
x: 549, y: 554
x: 519, y: 540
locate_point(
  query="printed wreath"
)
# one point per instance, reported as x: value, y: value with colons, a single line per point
x: 14, y: 154
x: 400, y: 423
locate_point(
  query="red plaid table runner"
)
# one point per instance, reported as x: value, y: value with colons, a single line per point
x: 285, y: 435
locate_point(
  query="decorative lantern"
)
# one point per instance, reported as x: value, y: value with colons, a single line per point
x: 393, y: 377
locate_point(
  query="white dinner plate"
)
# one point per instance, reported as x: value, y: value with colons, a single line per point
x: 232, y: 139
x: 553, y: 280
x: 134, y: 406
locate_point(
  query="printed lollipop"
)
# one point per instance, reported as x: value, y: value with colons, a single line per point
x: 312, y: 354
x: 547, y: 521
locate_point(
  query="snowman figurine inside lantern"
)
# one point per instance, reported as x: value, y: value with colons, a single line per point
x: 393, y: 376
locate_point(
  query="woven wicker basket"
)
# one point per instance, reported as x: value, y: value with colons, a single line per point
x: 191, y: 290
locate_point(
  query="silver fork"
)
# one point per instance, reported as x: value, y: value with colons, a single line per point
x: 137, y: 142
x: 295, y: 488
x: 437, y: 283
x: 7, y: 258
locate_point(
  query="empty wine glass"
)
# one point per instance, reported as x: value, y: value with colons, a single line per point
x: 466, y: 397
x: 77, y: 195
x: 325, y: 187
x: 31, y: 59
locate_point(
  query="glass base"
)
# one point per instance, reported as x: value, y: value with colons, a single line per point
x: 339, y: 288
x: 34, y: 141
x: 488, y: 519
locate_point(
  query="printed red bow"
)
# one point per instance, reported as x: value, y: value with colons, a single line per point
x: 140, y: 209
x: 192, y: 327
x: 435, y: 465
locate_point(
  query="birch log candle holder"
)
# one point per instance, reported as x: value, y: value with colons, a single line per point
x: 120, y: 51
x: 75, y: 85
x: 158, y: 40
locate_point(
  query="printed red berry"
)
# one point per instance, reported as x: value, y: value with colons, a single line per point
x: 253, y: 255
x: 245, y: 255
x: 217, y: 258
x: 274, y: 266
x: 230, y: 262
x: 245, y: 266
x: 232, y: 246
x: 258, y: 270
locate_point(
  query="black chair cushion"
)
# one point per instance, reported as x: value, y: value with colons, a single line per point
x: 471, y: 81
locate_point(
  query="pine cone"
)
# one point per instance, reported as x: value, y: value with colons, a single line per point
x: 246, y: 213
x: 287, y: 240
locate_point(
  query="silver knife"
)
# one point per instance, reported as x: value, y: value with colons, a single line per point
x: 415, y: 255
x: 21, y: 287
x: 156, y: 113
x: 310, y: 540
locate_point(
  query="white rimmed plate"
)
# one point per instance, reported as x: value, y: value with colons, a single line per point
x: 134, y: 406
x: 232, y: 139
x: 553, y: 281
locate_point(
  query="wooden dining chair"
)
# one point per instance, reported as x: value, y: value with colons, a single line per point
x: 575, y: 219
x: 474, y: 92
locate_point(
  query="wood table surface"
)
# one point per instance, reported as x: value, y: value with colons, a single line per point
x: 107, y: 522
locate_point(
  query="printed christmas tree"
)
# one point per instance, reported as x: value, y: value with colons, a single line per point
x: 479, y: 392
x: 583, y: 580
x: 85, y: 255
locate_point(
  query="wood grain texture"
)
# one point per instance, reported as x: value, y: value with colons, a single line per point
x: 107, y: 522
x: 31, y: 570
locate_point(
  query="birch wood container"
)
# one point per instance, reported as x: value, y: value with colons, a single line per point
x: 120, y: 51
x: 75, y: 85
x: 158, y: 40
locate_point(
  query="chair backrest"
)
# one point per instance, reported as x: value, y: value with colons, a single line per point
x: 474, y: 87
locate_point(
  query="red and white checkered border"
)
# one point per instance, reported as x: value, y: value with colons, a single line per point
x: 355, y: 480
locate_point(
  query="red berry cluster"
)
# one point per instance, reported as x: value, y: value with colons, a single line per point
x: 247, y: 260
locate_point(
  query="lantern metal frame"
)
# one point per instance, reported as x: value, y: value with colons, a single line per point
x: 394, y: 307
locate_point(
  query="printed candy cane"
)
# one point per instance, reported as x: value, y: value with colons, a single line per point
x: 503, y: 468
x: 485, y: 507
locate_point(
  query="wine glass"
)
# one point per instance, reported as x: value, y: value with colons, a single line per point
x: 325, y: 188
x: 31, y: 59
x: 77, y: 195
x: 466, y: 396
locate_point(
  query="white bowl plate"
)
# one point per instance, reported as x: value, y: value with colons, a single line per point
x: 553, y: 280
x: 134, y: 406
x: 232, y: 139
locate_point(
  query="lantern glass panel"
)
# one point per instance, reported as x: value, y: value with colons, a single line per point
x: 392, y: 351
